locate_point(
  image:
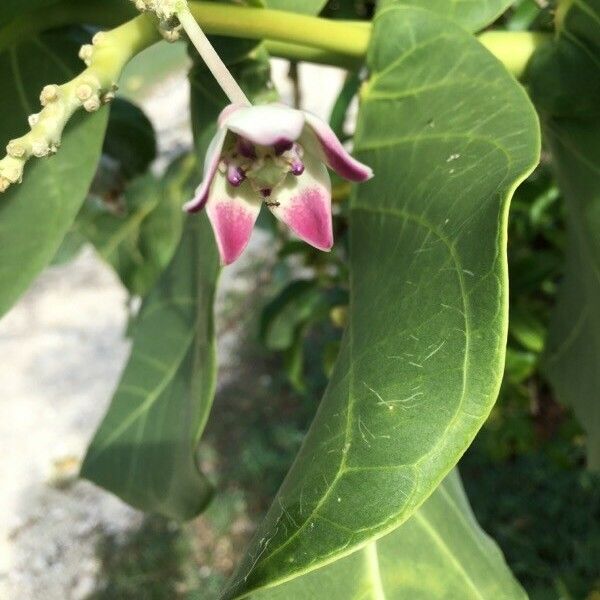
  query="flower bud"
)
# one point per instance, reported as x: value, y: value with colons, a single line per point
x: 13, y: 172
x: 15, y: 149
x: 92, y: 104
x: 33, y: 119
x: 40, y: 148
x: 4, y: 184
x: 49, y: 94
x: 99, y: 38
x: 84, y: 92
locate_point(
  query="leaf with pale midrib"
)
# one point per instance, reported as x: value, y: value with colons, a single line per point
x: 449, y: 134
x: 145, y: 448
x: 440, y: 552
x: 36, y: 215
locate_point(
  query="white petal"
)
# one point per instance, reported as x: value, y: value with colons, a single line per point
x: 227, y: 112
x: 318, y: 138
x: 232, y: 212
x: 267, y: 125
x: 211, y: 164
x: 305, y: 204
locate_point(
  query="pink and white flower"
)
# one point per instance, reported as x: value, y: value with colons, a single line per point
x: 272, y: 155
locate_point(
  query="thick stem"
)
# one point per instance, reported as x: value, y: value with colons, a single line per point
x: 211, y: 58
x: 106, y: 58
x: 513, y: 48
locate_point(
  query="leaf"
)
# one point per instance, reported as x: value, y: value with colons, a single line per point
x: 449, y: 134
x: 565, y: 81
x: 140, y: 243
x: 281, y: 317
x: 36, y: 215
x: 130, y: 139
x: 144, y: 450
x: 307, y: 7
x: 12, y: 8
x: 474, y: 15
x: 441, y: 552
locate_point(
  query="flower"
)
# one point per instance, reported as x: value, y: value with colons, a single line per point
x: 274, y: 155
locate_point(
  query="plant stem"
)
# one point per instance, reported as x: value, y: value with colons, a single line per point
x: 290, y: 35
x: 213, y: 61
x: 261, y: 23
x: 513, y: 48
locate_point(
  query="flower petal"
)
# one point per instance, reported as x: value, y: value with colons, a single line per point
x: 318, y: 138
x: 211, y: 164
x: 267, y: 124
x: 232, y: 212
x: 227, y: 112
x: 304, y: 204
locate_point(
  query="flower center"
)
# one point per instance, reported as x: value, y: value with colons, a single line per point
x: 264, y: 167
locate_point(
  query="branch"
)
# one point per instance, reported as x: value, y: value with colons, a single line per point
x: 105, y: 58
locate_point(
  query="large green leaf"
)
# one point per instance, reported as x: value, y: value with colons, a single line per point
x: 565, y: 81
x: 472, y: 14
x: 144, y: 450
x: 441, y: 552
x: 130, y: 139
x: 36, y: 215
x: 140, y: 243
x: 449, y: 135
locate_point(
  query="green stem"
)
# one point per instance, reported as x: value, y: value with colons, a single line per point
x: 210, y: 57
x: 289, y: 35
x: 513, y: 48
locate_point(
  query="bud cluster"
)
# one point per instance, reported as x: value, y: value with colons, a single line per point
x: 58, y: 104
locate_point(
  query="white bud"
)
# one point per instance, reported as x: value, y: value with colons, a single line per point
x: 108, y: 97
x: 33, y: 119
x: 49, y: 94
x: 99, y: 38
x: 4, y: 184
x: 141, y: 5
x: 15, y: 149
x: 85, y: 53
x: 13, y: 173
x: 40, y: 148
x: 93, y: 104
x: 53, y: 148
x: 84, y: 92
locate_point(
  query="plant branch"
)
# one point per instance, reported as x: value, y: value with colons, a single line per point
x: 105, y: 59
x: 293, y: 36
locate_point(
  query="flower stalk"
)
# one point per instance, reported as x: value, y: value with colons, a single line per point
x: 209, y: 55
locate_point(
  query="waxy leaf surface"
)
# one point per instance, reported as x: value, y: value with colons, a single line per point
x: 36, y: 215
x: 440, y: 552
x: 145, y: 448
x: 449, y: 134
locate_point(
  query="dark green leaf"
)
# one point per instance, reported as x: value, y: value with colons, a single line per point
x: 144, y: 450
x: 36, y: 215
x: 129, y: 139
x: 472, y: 15
x: 565, y: 80
x: 140, y: 241
x: 449, y: 134
x: 441, y: 552
x: 281, y: 317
